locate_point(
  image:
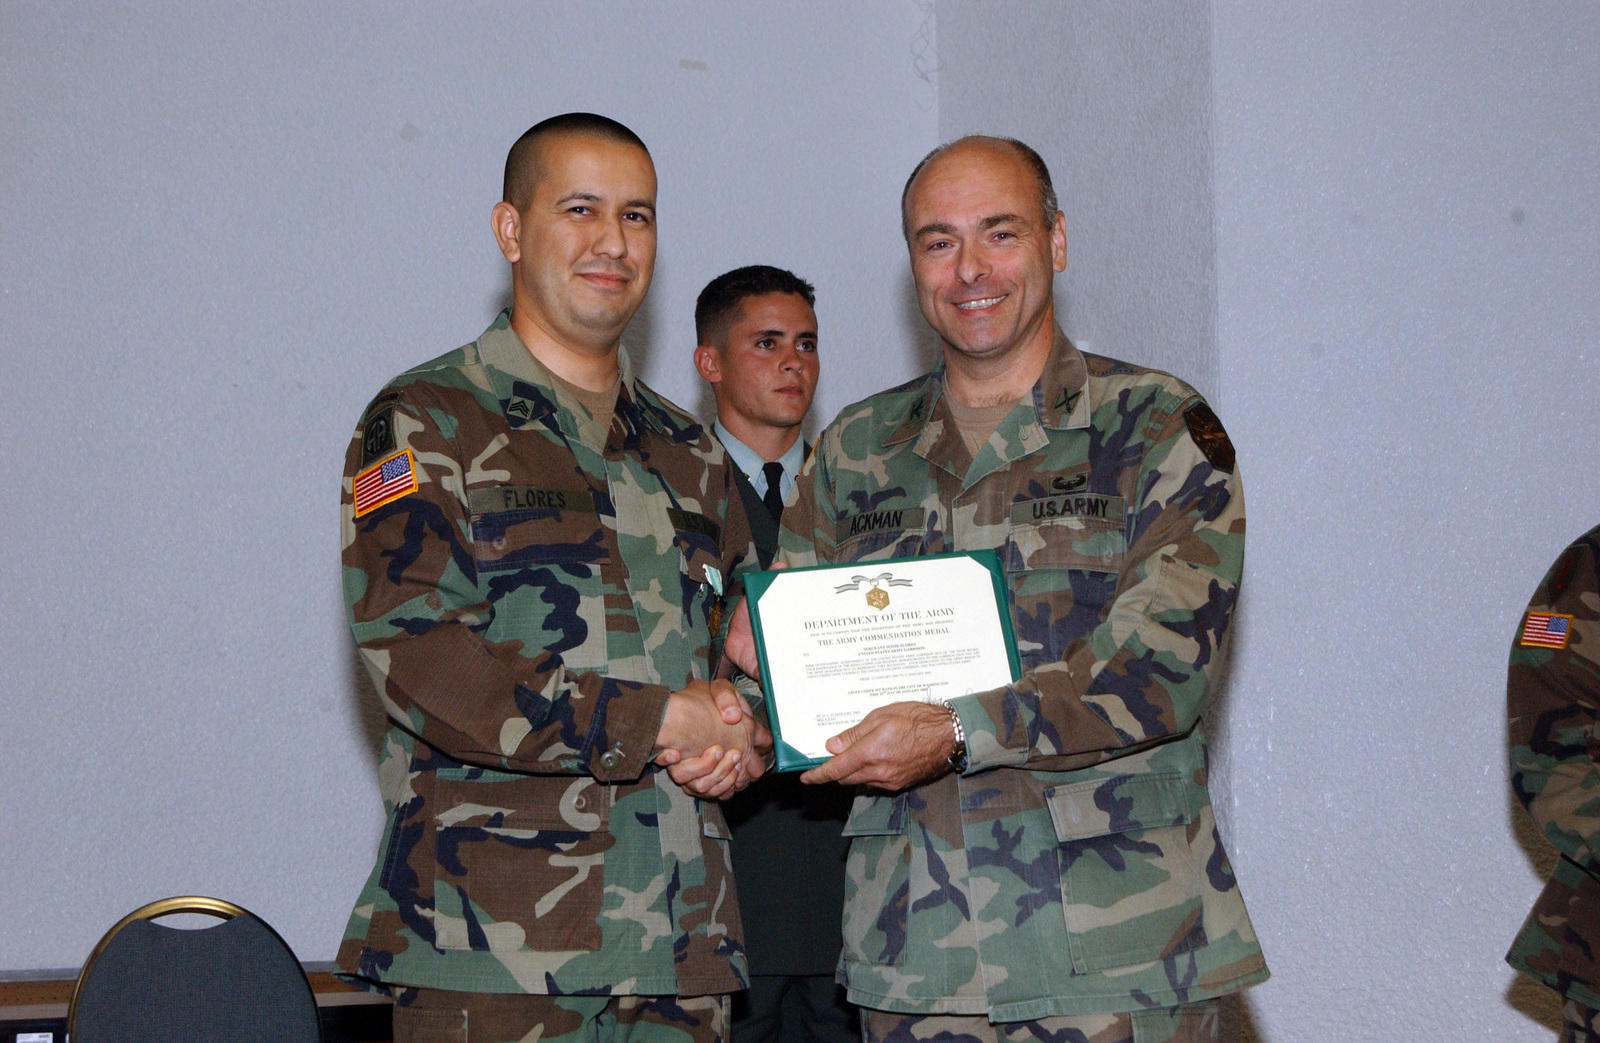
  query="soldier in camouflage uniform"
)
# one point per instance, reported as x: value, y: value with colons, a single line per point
x: 1553, y: 697
x: 536, y: 550
x: 1039, y: 861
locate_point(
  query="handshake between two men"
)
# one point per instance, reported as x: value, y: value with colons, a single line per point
x: 892, y: 748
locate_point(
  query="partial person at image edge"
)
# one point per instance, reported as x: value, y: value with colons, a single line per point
x: 1552, y: 696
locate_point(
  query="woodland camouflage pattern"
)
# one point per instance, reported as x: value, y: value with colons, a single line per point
x: 1075, y: 867
x: 1552, y: 698
x: 524, y: 616
x: 1579, y: 1024
x: 1193, y: 1023
x: 435, y: 1016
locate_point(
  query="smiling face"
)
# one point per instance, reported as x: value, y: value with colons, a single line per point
x: 583, y: 248
x: 982, y: 253
x: 764, y: 371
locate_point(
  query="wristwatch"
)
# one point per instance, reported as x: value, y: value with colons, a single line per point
x: 958, y: 753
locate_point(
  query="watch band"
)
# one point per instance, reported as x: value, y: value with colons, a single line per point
x: 958, y: 752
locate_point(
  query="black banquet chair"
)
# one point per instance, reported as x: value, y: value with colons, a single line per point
x: 234, y: 981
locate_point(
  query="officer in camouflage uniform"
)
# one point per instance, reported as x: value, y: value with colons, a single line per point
x: 536, y: 551
x: 1552, y: 697
x: 1039, y: 861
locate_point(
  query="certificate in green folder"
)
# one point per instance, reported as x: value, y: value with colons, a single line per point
x: 835, y: 641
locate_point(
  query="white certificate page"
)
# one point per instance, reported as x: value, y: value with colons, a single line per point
x: 841, y: 641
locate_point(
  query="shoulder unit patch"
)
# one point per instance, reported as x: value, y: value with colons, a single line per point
x: 385, y: 481
x: 1561, y: 573
x: 1207, y: 432
x: 377, y: 435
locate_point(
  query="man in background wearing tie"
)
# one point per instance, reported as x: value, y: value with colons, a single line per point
x: 756, y: 333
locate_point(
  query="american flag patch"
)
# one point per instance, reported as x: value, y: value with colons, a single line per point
x: 385, y: 481
x: 1546, y: 630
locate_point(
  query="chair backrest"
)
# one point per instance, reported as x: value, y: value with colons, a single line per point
x: 236, y: 981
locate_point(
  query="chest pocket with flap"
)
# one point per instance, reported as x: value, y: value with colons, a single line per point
x: 1063, y: 555
x: 539, y: 554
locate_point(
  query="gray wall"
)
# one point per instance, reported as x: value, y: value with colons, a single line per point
x: 1369, y: 232
x: 1117, y: 99
x: 1408, y: 231
x: 222, y: 228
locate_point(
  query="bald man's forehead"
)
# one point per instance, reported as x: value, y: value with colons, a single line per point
x: 980, y: 162
x: 981, y: 158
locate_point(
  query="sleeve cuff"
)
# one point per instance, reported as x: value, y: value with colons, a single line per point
x: 623, y: 737
x: 985, y: 748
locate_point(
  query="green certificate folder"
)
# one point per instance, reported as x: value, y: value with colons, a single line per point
x: 836, y: 641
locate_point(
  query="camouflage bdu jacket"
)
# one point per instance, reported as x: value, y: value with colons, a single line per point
x: 1075, y: 866
x: 1553, y: 699
x: 525, y: 603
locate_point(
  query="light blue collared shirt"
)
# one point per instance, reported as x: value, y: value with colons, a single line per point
x: 750, y: 461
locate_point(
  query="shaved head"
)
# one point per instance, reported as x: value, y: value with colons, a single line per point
x: 523, y: 161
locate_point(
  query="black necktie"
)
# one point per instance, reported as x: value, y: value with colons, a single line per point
x: 774, y: 498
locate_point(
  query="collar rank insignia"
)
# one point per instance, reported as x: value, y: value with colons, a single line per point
x: 1545, y: 630
x: 385, y: 482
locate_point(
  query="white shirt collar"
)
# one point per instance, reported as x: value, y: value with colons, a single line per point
x: 750, y: 461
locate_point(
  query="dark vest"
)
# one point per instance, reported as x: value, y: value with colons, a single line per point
x: 762, y: 525
x: 788, y: 847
